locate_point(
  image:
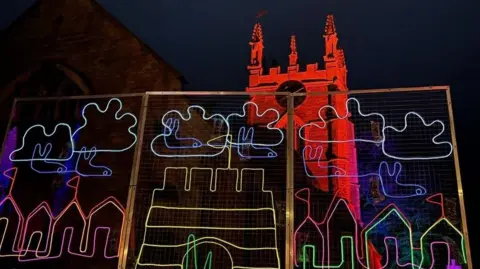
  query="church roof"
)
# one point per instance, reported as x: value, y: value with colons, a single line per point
x: 35, y: 7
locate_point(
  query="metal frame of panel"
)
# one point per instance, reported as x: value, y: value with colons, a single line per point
x: 289, y: 262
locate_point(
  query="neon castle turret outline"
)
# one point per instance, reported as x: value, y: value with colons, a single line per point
x: 322, y: 159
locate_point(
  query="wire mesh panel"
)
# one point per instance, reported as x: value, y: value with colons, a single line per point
x: 375, y: 182
x: 66, y: 169
x: 211, y: 184
x: 232, y: 180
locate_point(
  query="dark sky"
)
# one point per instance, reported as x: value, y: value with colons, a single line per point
x: 387, y: 44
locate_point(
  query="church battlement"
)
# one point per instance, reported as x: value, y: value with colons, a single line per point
x: 276, y: 76
x: 334, y: 72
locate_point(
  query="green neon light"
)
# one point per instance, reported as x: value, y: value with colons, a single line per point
x: 208, y: 262
x: 422, y: 245
x: 342, y: 253
x: 393, y: 210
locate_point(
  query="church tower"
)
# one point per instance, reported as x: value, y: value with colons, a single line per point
x: 325, y: 168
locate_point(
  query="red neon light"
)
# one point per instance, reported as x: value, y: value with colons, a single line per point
x: 16, y: 247
x: 431, y: 199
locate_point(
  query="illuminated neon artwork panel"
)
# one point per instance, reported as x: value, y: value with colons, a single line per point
x: 66, y: 181
x: 382, y: 187
x: 364, y: 180
x: 199, y: 202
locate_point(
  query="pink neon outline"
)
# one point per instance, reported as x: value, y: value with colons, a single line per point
x: 308, y: 217
x: 16, y: 248
x: 23, y: 250
x: 432, y: 254
x: 360, y: 250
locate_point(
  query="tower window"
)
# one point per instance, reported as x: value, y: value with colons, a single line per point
x: 291, y: 86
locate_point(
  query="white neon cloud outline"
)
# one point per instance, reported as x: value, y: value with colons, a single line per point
x: 117, y: 117
x: 405, y: 120
x: 384, y: 128
x: 46, y: 134
x: 188, y: 117
x: 316, y: 156
x: 63, y: 169
x: 212, y: 188
x: 270, y: 125
x: 324, y: 123
x: 72, y: 134
x: 249, y: 136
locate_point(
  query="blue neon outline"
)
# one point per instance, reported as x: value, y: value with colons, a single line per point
x: 384, y: 127
x: 72, y: 134
x: 83, y: 154
x: 242, y: 137
x: 174, y: 126
x: 169, y: 131
x: 319, y: 156
x: 270, y: 125
x: 395, y: 172
x: 324, y: 123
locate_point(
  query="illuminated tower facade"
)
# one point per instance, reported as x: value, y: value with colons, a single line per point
x: 332, y: 159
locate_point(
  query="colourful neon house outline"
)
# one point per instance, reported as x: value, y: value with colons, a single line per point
x: 11, y: 174
x: 22, y: 244
x: 361, y: 245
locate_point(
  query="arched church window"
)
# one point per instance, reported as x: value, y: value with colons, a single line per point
x: 291, y: 86
x: 51, y: 80
x: 332, y: 87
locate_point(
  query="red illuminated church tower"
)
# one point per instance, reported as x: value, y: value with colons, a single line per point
x: 312, y: 80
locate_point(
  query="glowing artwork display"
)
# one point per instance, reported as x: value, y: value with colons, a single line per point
x: 384, y: 173
x: 386, y: 130
x: 383, y: 161
x: 59, y: 235
x: 358, y: 243
x: 232, y: 134
x: 208, y: 214
x: 366, y: 245
x: 42, y: 152
x: 298, y: 173
x: 188, y: 212
x: 318, y: 166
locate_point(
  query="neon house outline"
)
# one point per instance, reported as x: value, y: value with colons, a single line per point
x: 360, y: 238
x: 22, y: 244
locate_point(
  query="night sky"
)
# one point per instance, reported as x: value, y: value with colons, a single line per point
x: 386, y: 43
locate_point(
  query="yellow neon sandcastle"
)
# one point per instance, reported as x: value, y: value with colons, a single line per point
x: 222, y: 205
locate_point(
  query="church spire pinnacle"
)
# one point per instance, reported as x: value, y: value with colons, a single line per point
x: 256, y: 47
x: 293, y: 57
x: 257, y: 35
x: 331, y: 40
x: 330, y: 26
